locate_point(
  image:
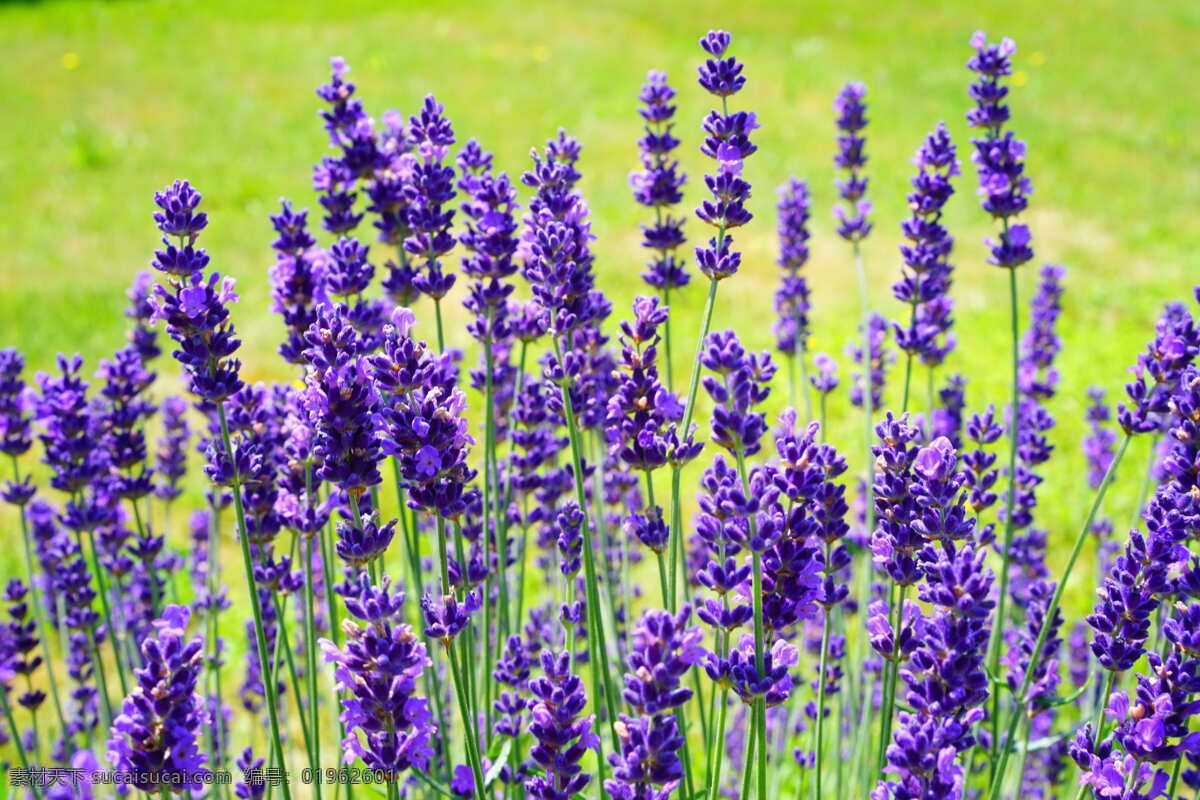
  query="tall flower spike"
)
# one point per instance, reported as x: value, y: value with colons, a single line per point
x: 562, y: 735
x: 727, y: 142
x: 342, y: 403
x: 156, y: 736
x: 925, y: 282
x: 432, y: 190
x: 999, y: 156
x: 657, y: 185
x: 854, y: 211
x: 194, y: 308
x: 387, y: 725
x: 791, y: 299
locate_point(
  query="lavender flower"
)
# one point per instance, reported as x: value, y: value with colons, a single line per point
x: 640, y: 426
x: 171, y: 458
x: 876, y: 362
x: 155, y: 738
x: 742, y: 385
x: 1100, y: 441
x: 925, y: 283
x: 727, y: 141
x: 853, y: 214
x: 343, y: 404
x: 657, y: 185
x: 194, y: 308
x: 142, y: 336
x: 791, y: 299
x: 387, y: 725
x: 432, y: 189
x: 563, y: 735
x: 999, y: 156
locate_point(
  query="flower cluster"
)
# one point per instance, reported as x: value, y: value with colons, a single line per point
x: 727, y: 142
x: 658, y: 185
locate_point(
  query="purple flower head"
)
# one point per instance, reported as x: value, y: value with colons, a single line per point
x: 1158, y: 369
x: 361, y: 541
x: 430, y: 192
x: 68, y: 421
x: 140, y: 311
x: 642, y: 414
x: 490, y: 240
x: 648, y: 757
x: 171, y: 456
x: 555, y: 241
x: 342, y: 404
x: 999, y: 156
x: 297, y: 279
x: 194, y: 309
x: 378, y: 668
x: 658, y: 183
x: 825, y: 379
x: 791, y: 299
x: 15, y: 438
x: 446, y: 617
x: 177, y: 215
x: 741, y: 383
x: 662, y: 652
x: 719, y: 75
x: 852, y: 214
x: 1037, y: 376
x: 1099, y: 443
x: 877, y: 361
x: 568, y: 523
x: 156, y: 735
x: 563, y: 736
x: 927, y: 274
x: 727, y: 142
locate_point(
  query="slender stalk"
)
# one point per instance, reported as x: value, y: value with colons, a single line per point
x: 310, y: 652
x: 16, y: 737
x: 469, y: 732
x: 102, y: 586
x: 676, y: 528
x: 283, y: 644
x: 892, y: 669
x: 748, y: 755
x: 437, y: 313
x: 1009, y: 503
x: 819, y: 749
x: 908, y: 365
x: 260, y: 638
x: 1051, y: 609
x: 597, y: 650
x: 801, y: 355
x: 39, y: 610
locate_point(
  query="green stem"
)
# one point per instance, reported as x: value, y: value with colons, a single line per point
x: 717, y: 746
x: 892, y: 669
x: 1051, y: 610
x: 310, y: 651
x: 597, y: 650
x: 469, y: 732
x: 283, y: 644
x: 821, y: 679
x: 676, y: 528
x: 260, y: 638
x: 39, y: 611
x: 102, y: 586
x: 16, y: 737
x: 1010, y: 502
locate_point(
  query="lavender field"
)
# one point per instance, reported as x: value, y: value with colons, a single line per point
x: 786, y: 409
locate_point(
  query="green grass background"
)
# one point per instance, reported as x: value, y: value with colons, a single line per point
x: 107, y: 102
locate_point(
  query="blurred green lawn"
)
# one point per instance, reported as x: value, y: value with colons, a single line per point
x: 107, y: 102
